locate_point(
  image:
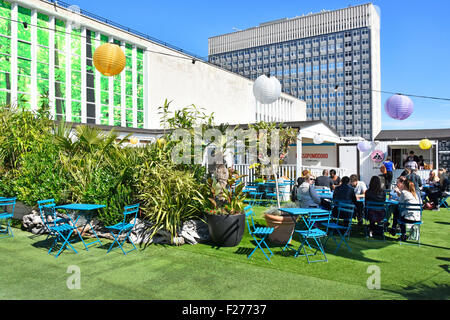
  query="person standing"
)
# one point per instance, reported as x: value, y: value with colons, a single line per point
x: 412, y: 158
x: 388, y: 176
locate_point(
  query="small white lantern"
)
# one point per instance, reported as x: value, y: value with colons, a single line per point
x: 364, y: 146
x: 267, y: 90
x: 318, y: 139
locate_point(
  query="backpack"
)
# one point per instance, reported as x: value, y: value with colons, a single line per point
x: 294, y: 193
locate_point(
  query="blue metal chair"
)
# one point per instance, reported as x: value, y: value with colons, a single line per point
x: 341, y: 223
x: 444, y: 202
x: 6, y: 216
x: 45, y: 218
x: 416, y: 225
x: 59, y: 229
x: 312, y: 232
x: 260, y: 233
x: 322, y: 190
x: 247, y: 190
x: 375, y: 207
x: 124, y: 228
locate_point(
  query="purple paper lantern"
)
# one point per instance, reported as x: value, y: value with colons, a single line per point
x: 399, y: 107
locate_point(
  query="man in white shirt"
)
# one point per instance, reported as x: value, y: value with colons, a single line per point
x: 360, y: 190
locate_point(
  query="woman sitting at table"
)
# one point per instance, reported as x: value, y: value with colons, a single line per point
x: 433, y: 178
x: 375, y: 193
x: 408, y: 196
x: 307, y: 194
x: 440, y: 189
x: 334, y: 177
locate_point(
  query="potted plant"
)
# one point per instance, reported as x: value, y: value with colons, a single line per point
x: 224, y: 205
x: 283, y: 224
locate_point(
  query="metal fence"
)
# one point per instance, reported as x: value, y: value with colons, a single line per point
x: 119, y: 26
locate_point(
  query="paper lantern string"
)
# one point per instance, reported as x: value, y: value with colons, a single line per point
x: 205, y: 60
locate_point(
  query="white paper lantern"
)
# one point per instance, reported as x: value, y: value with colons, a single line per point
x: 364, y: 146
x: 318, y: 139
x: 267, y: 90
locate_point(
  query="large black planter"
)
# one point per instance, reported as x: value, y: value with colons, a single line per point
x: 226, y: 230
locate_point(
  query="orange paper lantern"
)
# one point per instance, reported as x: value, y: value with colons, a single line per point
x: 109, y: 59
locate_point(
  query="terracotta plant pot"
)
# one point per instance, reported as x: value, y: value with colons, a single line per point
x: 283, y: 225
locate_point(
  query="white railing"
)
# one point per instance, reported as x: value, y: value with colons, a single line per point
x: 284, y: 170
x: 289, y: 171
x: 340, y: 172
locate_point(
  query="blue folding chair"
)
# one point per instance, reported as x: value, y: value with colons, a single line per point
x: 48, y: 218
x: 124, y: 228
x: 247, y: 189
x: 312, y: 232
x: 444, y: 202
x: 371, y: 206
x: 340, y: 223
x: 260, y: 233
x: 416, y: 225
x: 6, y: 217
x: 59, y: 229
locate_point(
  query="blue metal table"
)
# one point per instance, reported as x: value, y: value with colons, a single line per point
x: 87, y: 211
x: 302, y: 212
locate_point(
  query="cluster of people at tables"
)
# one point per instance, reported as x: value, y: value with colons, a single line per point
x: 407, y: 190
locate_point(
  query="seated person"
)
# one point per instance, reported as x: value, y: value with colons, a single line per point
x: 306, y: 194
x: 440, y: 190
x: 375, y: 193
x: 433, y: 178
x: 301, y: 179
x: 336, y: 180
x: 415, y: 178
x: 345, y: 193
x: 360, y: 189
x: 409, y: 196
x: 325, y: 181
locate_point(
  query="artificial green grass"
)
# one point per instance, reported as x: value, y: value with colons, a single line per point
x: 205, y: 272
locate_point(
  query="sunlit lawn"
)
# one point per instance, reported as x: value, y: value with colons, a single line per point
x: 206, y: 272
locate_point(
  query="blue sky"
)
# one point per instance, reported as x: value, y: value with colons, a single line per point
x: 415, y: 39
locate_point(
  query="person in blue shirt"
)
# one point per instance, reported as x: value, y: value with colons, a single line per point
x: 388, y: 176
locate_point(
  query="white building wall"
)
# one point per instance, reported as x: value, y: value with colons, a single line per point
x: 375, y: 70
x: 171, y: 75
x: 294, y: 28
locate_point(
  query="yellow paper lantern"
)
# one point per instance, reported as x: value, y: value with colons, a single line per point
x: 109, y: 59
x: 425, y: 144
x: 161, y: 142
x: 134, y: 140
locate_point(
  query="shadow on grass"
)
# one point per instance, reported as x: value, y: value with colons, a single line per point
x: 443, y: 222
x: 357, y: 243
x: 420, y: 291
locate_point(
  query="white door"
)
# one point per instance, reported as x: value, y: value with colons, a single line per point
x: 348, y: 158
